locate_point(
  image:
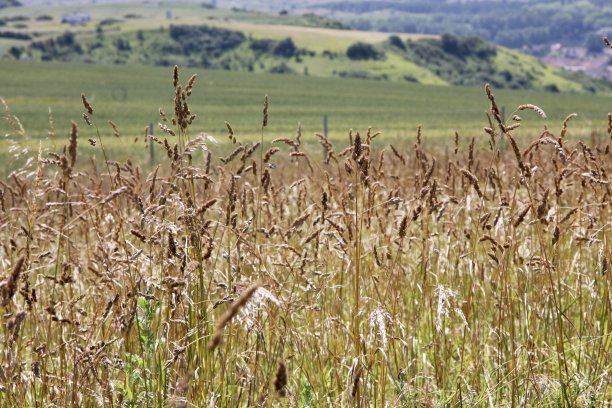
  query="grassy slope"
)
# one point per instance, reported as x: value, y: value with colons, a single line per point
x: 277, y: 27
x: 513, y: 61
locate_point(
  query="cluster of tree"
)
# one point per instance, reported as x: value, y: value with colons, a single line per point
x: 9, y: 3
x: 13, y: 35
x: 17, y: 18
x: 464, y: 47
x: 283, y: 48
x: 364, y: 51
x: 516, y: 24
x: 461, y: 61
x: 201, y: 46
x: 203, y: 39
x: 362, y: 74
x: 60, y: 48
x: 314, y: 20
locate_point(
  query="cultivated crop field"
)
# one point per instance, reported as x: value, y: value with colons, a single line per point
x: 130, y: 96
x: 474, y: 271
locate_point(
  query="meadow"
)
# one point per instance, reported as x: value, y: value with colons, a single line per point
x: 465, y: 269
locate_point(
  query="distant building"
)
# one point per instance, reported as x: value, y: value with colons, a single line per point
x: 76, y: 18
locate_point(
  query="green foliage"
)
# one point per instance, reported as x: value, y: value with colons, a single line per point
x: 285, y: 48
x: 464, y: 47
x: 146, y: 313
x: 465, y: 61
x: 594, y: 43
x: 122, y: 45
x: 307, y: 396
x: 15, y: 52
x: 362, y: 74
x: 315, y: 20
x: 137, y: 388
x: 133, y: 390
x: 16, y: 18
x: 263, y: 46
x: 62, y: 48
x: 108, y: 22
x: 281, y: 68
x: 363, y: 51
x: 204, y: 39
x: 516, y: 24
x: 15, y: 35
x: 395, y: 41
x: 9, y: 3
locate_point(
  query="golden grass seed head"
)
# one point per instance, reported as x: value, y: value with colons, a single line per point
x: 72, y: 147
x: 280, y: 381
x: 8, y: 287
x: 162, y: 115
x: 87, y: 105
x: 266, y: 108
x: 175, y: 76
x: 190, y: 83
x: 357, y: 147
x: 115, y: 128
x: 403, y: 227
x: 532, y: 107
x: 473, y: 180
x: 269, y: 153
x: 298, y: 134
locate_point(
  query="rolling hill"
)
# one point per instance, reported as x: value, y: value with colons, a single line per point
x: 192, y: 35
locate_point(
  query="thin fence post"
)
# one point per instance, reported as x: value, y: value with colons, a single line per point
x: 151, y: 146
x: 502, y: 140
x: 325, y: 153
x: 325, y: 125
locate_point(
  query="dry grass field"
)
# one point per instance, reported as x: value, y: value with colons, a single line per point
x: 395, y: 276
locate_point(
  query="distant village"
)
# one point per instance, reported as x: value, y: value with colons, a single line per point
x: 76, y: 18
x: 578, y: 59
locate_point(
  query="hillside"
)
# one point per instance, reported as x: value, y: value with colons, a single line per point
x: 207, y: 37
x: 566, y: 34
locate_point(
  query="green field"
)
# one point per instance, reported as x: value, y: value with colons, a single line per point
x: 131, y: 96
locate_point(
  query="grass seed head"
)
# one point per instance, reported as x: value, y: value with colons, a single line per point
x: 87, y: 105
x: 8, y: 287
